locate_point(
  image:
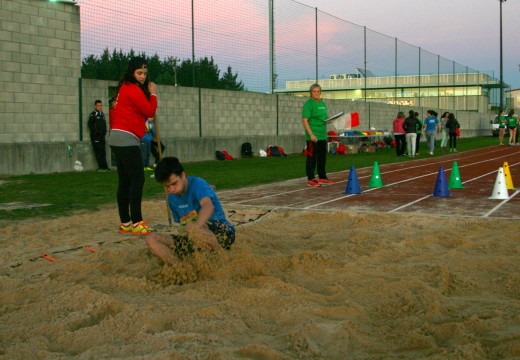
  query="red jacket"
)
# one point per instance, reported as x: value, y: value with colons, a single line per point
x: 398, y: 126
x: 132, y: 110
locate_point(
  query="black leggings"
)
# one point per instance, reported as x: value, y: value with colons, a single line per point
x: 130, y: 173
x: 417, y: 143
x: 316, y: 155
x: 453, y: 140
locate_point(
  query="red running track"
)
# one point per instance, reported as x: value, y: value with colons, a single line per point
x: 408, y: 187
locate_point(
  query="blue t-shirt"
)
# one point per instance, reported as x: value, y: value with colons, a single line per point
x: 431, y: 123
x: 198, y: 189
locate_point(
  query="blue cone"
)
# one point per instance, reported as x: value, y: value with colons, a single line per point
x: 353, y: 183
x: 441, y: 186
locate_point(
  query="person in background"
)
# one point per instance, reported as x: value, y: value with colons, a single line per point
x: 134, y: 102
x: 451, y: 126
x: 146, y: 144
x: 502, y: 124
x: 444, y: 131
x: 432, y: 128
x: 155, y: 149
x: 419, y: 132
x: 314, y: 114
x: 196, y: 208
x: 512, y: 124
x: 97, y: 126
x: 410, y: 127
x: 399, y: 134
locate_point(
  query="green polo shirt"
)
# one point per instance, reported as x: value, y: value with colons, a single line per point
x: 316, y: 112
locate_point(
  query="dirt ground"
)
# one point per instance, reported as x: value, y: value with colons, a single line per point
x: 296, y: 285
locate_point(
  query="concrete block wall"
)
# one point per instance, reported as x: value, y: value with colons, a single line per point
x: 40, y: 62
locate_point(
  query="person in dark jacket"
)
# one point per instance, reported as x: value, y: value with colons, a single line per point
x: 410, y: 127
x: 451, y: 126
x: 97, y: 126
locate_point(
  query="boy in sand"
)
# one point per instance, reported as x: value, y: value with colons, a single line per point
x: 196, y: 207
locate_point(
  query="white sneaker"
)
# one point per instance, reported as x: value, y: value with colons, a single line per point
x: 431, y: 153
x: 454, y: 150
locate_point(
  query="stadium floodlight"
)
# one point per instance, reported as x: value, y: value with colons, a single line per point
x: 501, y: 63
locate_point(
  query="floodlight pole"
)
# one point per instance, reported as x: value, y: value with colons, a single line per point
x: 501, y: 62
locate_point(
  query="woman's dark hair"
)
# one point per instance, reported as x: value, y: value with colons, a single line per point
x: 511, y: 112
x: 128, y: 77
x: 411, y: 113
x: 166, y: 167
x: 444, y: 114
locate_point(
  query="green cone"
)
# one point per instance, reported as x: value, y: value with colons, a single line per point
x: 455, y: 180
x: 375, y: 179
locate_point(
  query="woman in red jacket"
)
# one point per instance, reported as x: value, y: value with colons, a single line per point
x: 134, y: 102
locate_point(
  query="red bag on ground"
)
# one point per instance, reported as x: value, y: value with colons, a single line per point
x: 226, y: 155
x: 341, y: 149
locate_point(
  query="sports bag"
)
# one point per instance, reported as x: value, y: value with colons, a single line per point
x: 246, y: 149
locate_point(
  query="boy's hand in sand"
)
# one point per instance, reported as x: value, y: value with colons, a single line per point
x: 201, y: 236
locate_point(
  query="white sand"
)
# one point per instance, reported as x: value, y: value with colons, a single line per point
x: 296, y: 285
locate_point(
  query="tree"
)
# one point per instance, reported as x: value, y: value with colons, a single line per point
x: 229, y: 81
x: 202, y: 73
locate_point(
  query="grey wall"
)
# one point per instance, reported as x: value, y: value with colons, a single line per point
x: 226, y: 119
x: 40, y: 62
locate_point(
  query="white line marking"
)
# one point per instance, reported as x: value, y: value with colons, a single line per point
x: 501, y: 204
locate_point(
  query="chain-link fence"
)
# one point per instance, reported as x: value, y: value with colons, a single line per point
x: 274, y: 44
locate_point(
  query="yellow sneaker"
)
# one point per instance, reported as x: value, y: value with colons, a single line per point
x: 125, y: 229
x: 141, y: 228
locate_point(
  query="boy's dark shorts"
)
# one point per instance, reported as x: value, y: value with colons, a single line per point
x: 224, y: 233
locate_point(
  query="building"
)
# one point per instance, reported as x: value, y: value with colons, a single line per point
x: 460, y: 92
x: 513, y: 100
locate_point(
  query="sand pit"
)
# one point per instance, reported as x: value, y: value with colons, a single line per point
x: 296, y: 285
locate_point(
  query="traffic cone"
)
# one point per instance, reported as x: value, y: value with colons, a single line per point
x: 500, y: 189
x: 353, y: 183
x: 375, y: 179
x: 441, y: 186
x: 507, y: 174
x: 455, y: 180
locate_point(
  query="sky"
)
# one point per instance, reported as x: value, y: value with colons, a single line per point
x: 466, y: 31
x: 236, y: 33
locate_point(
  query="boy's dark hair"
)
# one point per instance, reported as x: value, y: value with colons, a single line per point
x: 166, y: 167
x: 98, y: 102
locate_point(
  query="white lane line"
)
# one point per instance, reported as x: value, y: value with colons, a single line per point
x: 502, y: 203
x: 409, y: 204
x: 371, y: 189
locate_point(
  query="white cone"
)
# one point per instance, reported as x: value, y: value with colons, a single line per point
x: 500, y: 189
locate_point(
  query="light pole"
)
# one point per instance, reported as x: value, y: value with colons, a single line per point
x: 501, y: 63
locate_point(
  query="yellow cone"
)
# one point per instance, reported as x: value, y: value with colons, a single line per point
x: 507, y: 174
